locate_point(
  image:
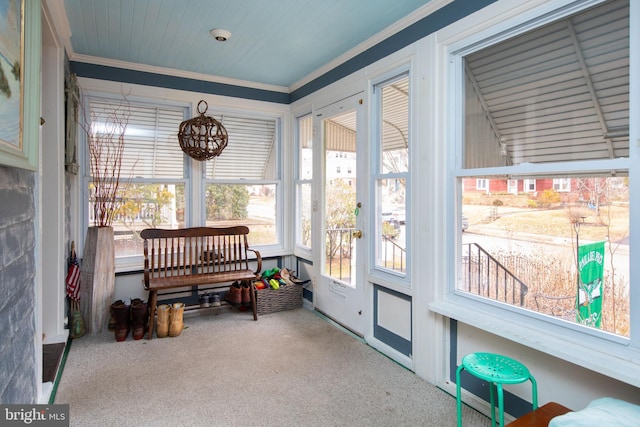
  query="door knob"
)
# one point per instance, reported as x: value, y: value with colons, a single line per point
x: 357, y: 234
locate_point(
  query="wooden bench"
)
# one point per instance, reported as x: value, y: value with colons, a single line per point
x: 191, y: 257
x: 541, y: 416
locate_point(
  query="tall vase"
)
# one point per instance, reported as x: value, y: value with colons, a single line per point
x: 97, y: 278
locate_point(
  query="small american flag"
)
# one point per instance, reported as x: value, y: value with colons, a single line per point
x: 73, y: 277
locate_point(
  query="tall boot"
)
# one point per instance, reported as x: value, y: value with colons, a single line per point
x: 112, y: 320
x: 162, y: 328
x: 121, y: 315
x: 139, y: 316
x: 246, y: 294
x: 176, y: 324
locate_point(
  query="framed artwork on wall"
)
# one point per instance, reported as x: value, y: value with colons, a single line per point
x: 19, y: 83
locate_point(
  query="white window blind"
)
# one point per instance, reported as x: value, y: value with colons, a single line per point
x: 151, y: 148
x: 250, y: 152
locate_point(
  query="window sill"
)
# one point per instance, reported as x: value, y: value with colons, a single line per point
x: 604, y: 353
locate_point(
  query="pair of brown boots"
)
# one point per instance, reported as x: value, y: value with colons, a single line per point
x: 239, y: 294
x: 170, y: 320
x: 125, y: 318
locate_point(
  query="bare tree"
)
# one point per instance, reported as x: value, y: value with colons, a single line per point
x: 594, y: 190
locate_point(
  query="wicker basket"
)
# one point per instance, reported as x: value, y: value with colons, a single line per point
x: 287, y: 297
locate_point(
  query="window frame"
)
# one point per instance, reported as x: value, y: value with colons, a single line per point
x: 527, y: 183
x: 300, y: 250
x: 567, y: 341
x: 563, y: 184
x: 404, y: 280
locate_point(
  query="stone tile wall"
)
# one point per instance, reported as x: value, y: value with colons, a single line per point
x: 17, y: 286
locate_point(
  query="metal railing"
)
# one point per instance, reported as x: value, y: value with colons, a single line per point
x: 485, y: 276
x: 393, y: 255
x: 339, y: 251
x: 482, y: 274
x: 339, y: 247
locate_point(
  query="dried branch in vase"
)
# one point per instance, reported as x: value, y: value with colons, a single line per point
x: 105, y: 132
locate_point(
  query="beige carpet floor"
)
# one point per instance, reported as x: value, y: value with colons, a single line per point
x: 290, y: 368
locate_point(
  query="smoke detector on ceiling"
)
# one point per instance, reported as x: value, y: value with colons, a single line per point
x: 220, y: 35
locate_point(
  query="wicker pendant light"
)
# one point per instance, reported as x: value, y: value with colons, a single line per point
x: 202, y: 137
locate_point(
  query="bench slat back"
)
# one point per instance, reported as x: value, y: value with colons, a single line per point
x: 198, y: 250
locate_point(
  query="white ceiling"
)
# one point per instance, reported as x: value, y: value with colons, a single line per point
x: 277, y: 43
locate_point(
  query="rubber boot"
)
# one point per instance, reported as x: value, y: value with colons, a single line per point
x: 162, y: 327
x: 176, y: 323
x: 139, y: 316
x: 122, y: 316
x: 77, y: 329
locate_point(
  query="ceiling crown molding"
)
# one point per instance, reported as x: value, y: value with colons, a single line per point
x: 57, y: 13
x: 175, y: 73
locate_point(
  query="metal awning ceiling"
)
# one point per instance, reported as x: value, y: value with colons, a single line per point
x: 558, y: 93
x: 341, y: 130
x: 395, y: 115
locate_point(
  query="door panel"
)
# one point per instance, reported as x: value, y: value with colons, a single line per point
x: 339, y: 293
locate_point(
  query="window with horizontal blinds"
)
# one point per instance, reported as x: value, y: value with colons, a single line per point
x: 241, y: 186
x: 152, y: 190
x: 151, y: 148
x: 250, y: 153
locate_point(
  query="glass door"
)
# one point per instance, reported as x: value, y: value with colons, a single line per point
x: 339, y: 293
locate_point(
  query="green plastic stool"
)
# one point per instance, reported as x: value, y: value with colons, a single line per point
x: 496, y: 370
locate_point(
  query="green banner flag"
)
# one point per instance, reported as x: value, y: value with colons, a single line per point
x: 591, y: 272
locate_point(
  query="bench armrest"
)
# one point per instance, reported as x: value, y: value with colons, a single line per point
x: 258, y: 259
x: 146, y: 265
